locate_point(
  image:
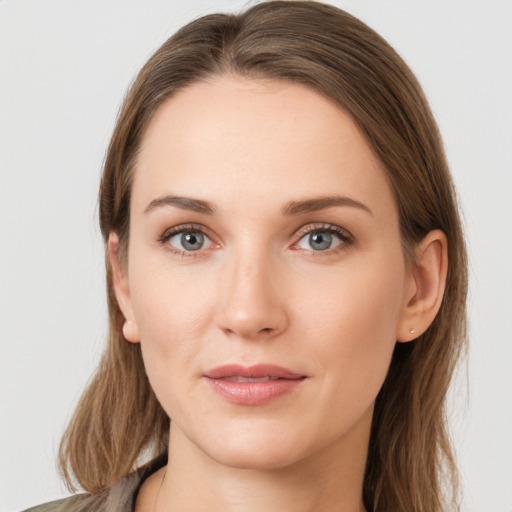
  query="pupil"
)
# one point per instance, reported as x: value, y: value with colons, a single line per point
x: 320, y: 241
x: 192, y: 241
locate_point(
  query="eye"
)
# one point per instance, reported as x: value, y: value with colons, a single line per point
x: 185, y: 239
x: 324, y: 239
x: 190, y: 241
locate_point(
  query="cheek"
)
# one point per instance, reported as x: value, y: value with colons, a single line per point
x: 173, y: 313
x: 353, y: 319
x: 168, y: 300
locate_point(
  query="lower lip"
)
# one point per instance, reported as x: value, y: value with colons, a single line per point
x: 253, y: 393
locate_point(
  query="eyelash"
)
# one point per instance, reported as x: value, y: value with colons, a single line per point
x: 177, y: 230
x: 344, y: 236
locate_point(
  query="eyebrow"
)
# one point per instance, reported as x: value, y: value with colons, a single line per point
x: 321, y: 203
x: 185, y: 203
x: 291, y: 208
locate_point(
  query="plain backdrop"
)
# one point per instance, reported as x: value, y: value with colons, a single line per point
x: 64, y: 68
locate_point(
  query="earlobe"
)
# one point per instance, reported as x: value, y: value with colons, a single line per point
x: 425, y: 286
x: 121, y: 289
x: 131, y: 331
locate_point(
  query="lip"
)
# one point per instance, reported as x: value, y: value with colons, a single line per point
x: 282, y: 381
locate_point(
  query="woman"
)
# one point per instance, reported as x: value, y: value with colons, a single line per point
x: 286, y: 279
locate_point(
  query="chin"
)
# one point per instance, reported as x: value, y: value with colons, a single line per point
x: 256, y: 459
x: 258, y: 449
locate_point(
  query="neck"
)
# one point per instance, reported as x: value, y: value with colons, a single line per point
x: 325, y: 481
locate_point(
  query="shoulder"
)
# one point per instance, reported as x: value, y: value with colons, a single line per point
x: 115, y: 499
x: 77, y: 503
x: 118, y: 498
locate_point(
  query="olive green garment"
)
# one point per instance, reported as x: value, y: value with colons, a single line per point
x: 118, y: 498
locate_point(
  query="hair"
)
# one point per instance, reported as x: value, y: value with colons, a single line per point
x: 410, y: 464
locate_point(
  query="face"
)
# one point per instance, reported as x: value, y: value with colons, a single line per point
x: 265, y: 276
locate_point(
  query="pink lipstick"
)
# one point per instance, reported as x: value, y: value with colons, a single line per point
x: 252, y: 385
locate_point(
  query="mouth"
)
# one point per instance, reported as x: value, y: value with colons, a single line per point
x: 252, y: 385
x: 239, y: 378
x: 259, y: 371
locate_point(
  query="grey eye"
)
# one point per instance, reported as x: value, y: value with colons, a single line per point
x: 320, y: 240
x: 190, y: 241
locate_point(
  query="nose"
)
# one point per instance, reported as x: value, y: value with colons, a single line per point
x: 251, y: 300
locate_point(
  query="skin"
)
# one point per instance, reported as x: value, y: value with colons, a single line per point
x: 258, y: 291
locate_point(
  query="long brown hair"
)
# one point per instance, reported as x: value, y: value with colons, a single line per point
x: 118, y: 419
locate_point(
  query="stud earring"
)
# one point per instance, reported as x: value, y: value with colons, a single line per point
x: 411, y: 331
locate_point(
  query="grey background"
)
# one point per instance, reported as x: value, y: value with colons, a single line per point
x: 64, y: 68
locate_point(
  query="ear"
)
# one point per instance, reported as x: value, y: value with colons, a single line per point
x: 121, y: 289
x: 424, y: 287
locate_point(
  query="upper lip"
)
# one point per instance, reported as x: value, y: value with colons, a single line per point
x: 256, y: 371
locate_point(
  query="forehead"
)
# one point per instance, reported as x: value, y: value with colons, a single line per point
x: 266, y: 141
